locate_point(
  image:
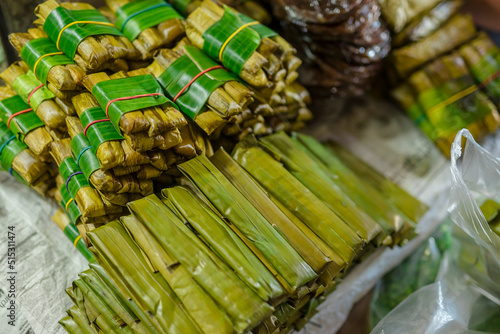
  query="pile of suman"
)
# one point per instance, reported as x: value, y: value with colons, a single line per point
x: 251, y: 241
x: 105, y: 103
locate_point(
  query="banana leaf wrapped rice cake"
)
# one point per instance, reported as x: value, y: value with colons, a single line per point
x: 47, y: 107
x: 24, y: 123
x: 94, y: 45
x: 221, y: 253
x: 150, y: 24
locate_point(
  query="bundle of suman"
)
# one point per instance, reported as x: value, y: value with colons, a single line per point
x: 108, y: 102
x: 251, y: 241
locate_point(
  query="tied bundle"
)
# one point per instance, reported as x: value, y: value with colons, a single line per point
x: 19, y: 161
x: 443, y: 98
x: 149, y: 24
x: 50, y: 66
x: 50, y: 109
x: 85, y: 35
x: 250, y: 8
x: 66, y: 224
x: 224, y: 252
x: 24, y: 123
x: 254, y: 52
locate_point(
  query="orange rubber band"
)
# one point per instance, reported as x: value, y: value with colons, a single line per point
x: 129, y: 98
x: 33, y: 92
x: 194, y: 79
x: 17, y: 114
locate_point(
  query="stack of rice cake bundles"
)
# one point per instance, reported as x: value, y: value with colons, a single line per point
x: 225, y: 253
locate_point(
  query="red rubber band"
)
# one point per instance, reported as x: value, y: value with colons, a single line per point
x: 196, y: 77
x: 129, y: 98
x: 17, y: 114
x: 94, y: 122
x: 489, y: 80
x: 33, y: 92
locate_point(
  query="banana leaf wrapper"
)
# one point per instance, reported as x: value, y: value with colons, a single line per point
x: 50, y: 66
x: 386, y: 213
x: 283, y: 186
x: 16, y: 157
x: 282, y: 260
x: 226, y: 244
x: 153, y: 114
x: 198, y: 303
x: 254, y: 52
x: 128, y: 268
x: 23, y: 122
x: 77, y: 323
x: 87, y: 198
x: 98, y: 314
x: 193, y: 80
x: 399, y: 13
x: 69, y: 229
x: 31, y: 90
x: 454, y: 33
x: 310, y: 174
x: 242, y: 305
x: 109, y: 292
x: 482, y: 57
x: 409, y: 205
x: 150, y: 24
x: 404, y: 95
x: 427, y: 23
x: 312, y: 249
x: 92, y: 45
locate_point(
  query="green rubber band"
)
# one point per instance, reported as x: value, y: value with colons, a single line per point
x: 109, y: 90
x: 136, y: 16
x: 37, y: 48
x: 25, y: 84
x: 183, y: 70
x: 11, y: 147
x: 85, y: 157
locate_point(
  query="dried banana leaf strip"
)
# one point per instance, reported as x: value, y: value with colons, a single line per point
x: 10, y: 147
x: 191, y: 79
x: 120, y: 96
x: 68, y: 28
x: 19, y: 116
x: 283, y: 259
x: 136, y: 16
x: 73, y: 176
x: 98, y: 128
x: 69, y: 205
x: 41, y: 55
x: 233, y: 39
x: 84, y: 156
x: 31, y: 90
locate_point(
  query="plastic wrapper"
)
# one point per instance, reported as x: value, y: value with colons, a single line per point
x: 465, y: 296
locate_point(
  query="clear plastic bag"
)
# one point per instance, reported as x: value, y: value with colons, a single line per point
x: 465, y: 296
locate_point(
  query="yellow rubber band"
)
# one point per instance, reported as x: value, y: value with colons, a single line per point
x: 45, y: 55
x: 80, y: 22
x: 453, y: 99
x: 232, y: 36
x: 77, y: 239
x: 67, y: 204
